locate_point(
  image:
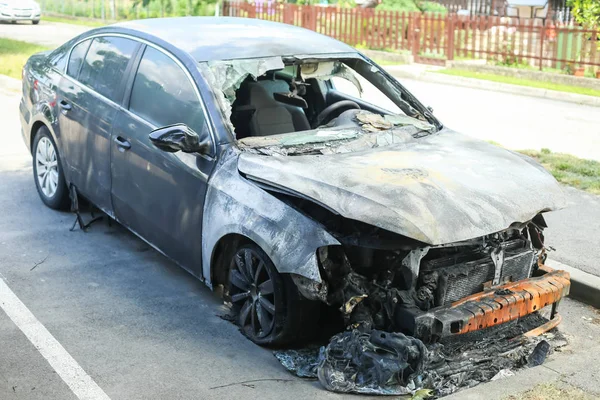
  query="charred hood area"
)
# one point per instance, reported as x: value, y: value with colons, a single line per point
x: 398, y: 297
x: 438, y: 189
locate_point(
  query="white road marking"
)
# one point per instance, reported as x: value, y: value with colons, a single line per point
x: 82, y: 385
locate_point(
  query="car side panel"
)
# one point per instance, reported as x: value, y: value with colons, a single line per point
x: 159, y: 195
x: 85, y: 136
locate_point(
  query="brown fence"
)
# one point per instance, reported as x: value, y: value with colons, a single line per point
x: 435, y: 38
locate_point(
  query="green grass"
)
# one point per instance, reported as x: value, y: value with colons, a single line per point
x: 14, y: 54
x: 75, y: 21
x: 570, y: 170
x: 552, y: 391
x: 520, y: 81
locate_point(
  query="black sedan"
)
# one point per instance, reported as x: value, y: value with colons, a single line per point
x: 289, y: 169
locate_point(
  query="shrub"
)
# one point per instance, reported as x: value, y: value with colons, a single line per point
x: 411, y: 6
x: 398, y: 5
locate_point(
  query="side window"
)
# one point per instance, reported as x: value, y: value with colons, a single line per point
x: 105, y: 64
x: 163, y: 94
x: 76, y: 59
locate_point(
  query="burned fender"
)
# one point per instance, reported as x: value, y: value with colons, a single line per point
x: 236, y: 205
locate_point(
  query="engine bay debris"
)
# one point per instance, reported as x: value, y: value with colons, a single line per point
x: 432, y: 318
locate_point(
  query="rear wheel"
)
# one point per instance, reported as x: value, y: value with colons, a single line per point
x: 47, y: 172
x: 270, y: 309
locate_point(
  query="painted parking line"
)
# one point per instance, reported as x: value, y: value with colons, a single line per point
x: 80, y: 383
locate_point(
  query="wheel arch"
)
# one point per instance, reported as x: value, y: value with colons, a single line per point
x: 34, y: 128
x: 222, y: 252
x: 36, y: 124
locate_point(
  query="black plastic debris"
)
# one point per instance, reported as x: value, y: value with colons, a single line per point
x: 302, y: 363
x: 379, y: 362
x: 539, y: 354
x: 376, y: 362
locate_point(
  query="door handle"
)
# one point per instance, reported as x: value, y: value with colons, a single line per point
x: 64, y: 105
x: 122, y: 143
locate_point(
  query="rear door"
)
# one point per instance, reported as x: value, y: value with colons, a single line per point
x: 160, y: 195
x: 89, y: 99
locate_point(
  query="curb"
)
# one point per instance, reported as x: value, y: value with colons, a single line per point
x: 400, y: 72
x: 584, y: 287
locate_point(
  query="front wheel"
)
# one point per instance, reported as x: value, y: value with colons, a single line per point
x: 47, y: 172
x: 35, y: 22
x: 270, y: 309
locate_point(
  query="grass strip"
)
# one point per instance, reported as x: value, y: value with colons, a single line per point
x: 14, y: 54
x: 520, y: 81
x: 577, y: 172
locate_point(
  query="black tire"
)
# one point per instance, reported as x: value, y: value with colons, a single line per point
x: 59, y: 198
x: 269, y: 314
x: 35, y: 22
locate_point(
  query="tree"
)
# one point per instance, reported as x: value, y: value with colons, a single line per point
x: 586, y: 12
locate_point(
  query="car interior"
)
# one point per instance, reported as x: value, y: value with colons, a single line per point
x: 283, y: 101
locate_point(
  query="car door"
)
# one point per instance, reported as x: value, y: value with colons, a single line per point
x: 89, y: 99
x: 157, y: 194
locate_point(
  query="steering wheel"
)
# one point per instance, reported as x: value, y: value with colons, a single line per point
x: 333, y: 110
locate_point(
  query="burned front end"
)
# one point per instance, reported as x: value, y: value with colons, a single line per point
x: 381, y: 280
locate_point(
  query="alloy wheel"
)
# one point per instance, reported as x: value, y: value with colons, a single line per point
x: 46, y: 167
x: 252, y: 291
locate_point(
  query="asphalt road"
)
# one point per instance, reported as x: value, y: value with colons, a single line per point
x: 516, y: 122
x: 50, y: 34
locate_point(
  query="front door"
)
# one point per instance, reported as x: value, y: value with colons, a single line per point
x: 89, y: 100
x: 160, y: 195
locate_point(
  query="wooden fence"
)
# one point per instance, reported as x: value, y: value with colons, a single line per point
x: 435, y: 38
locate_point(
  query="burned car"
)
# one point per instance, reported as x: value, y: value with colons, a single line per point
x: 294, y: 172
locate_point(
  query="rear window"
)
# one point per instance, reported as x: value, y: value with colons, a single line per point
x: 58, y: 58
x: 105, y: 64
x: 76, y: 59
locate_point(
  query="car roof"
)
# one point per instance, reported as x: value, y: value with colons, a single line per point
x: 226, y: 38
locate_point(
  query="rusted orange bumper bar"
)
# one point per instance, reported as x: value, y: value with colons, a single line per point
x: 499, y: 305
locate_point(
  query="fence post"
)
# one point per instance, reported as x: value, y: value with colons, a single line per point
x: 450, y: 33
x: 225, y: 9
x: 288, y: 16
x: 543, y: 34
x: 416, y: 34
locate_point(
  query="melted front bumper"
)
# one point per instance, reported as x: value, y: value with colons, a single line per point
x: 494, y: 307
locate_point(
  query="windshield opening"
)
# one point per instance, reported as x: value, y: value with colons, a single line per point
x: 295, y: 102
